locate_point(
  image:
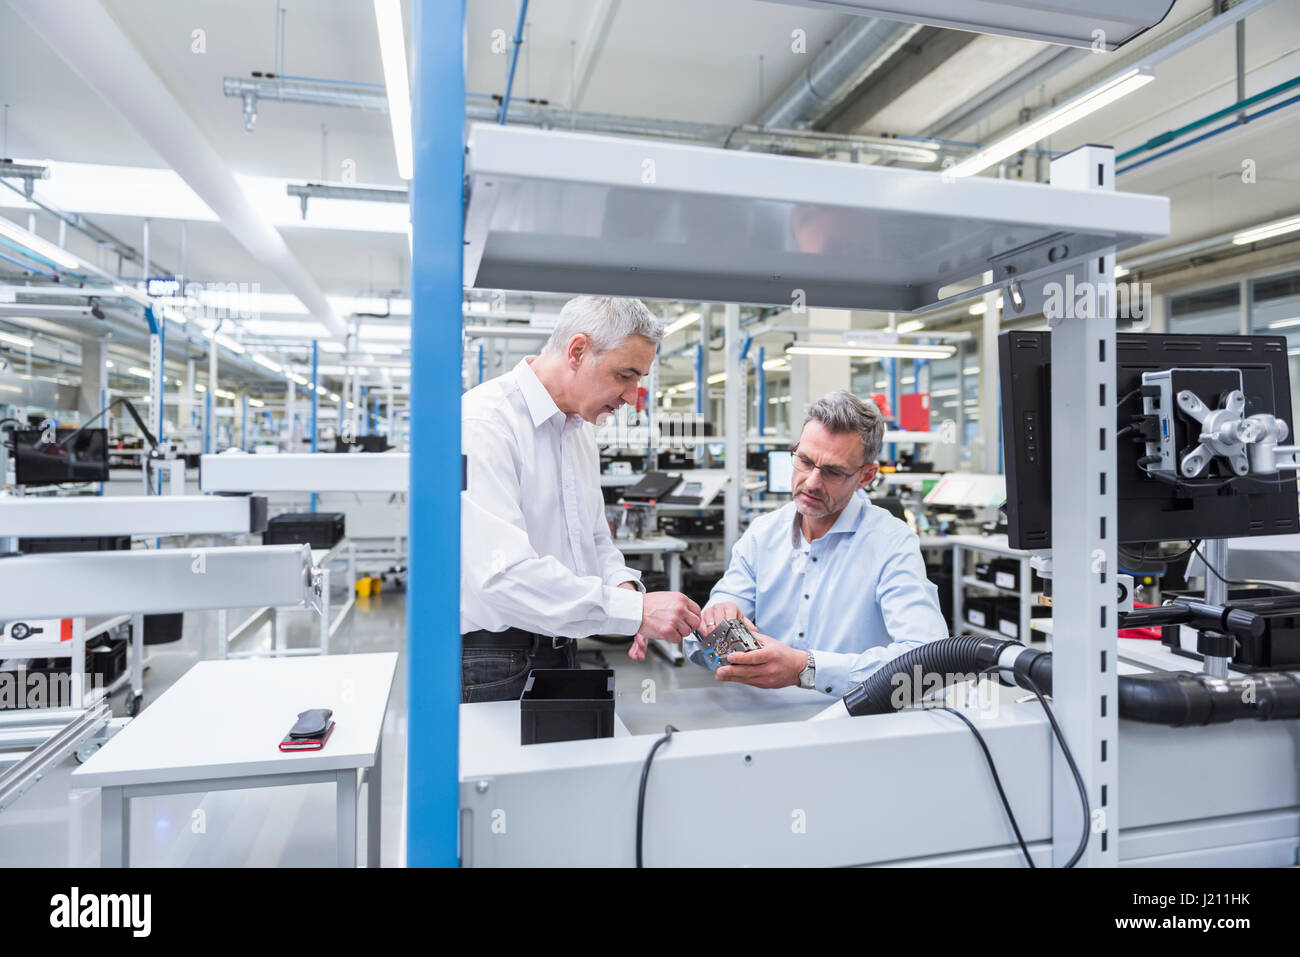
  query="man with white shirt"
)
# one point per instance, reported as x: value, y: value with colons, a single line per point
x: 538, y: 566
x: 836, y: 582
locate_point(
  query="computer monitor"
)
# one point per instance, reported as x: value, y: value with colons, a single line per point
x: 1152, y: 507
x: 780, y: 472
x: 74, y: 456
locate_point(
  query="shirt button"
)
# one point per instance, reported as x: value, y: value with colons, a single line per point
x: 801, y: 634
x: 828, y: 690
x: 814, y: 559
x: 805, y: 596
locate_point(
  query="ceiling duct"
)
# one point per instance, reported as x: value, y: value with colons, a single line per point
x: 856, y: 53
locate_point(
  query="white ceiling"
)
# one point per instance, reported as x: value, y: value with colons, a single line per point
x: 693, y: 60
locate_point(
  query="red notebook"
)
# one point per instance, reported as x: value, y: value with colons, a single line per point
x: 291, y: 743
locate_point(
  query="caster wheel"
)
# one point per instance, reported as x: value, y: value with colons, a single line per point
x: 83, y: 753
x: 133, y: 707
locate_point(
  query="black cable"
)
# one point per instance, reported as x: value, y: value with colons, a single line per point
x: 1024, y: 679
x: 1230, y: 581
x: 640, y: 797
x: 997, y: 781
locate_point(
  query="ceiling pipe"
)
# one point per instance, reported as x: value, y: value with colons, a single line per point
x: 856, y: 53
x: 96, y: 49
x: 551, y: 117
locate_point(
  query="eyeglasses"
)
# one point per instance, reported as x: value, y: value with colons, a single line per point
x: 834, y: 476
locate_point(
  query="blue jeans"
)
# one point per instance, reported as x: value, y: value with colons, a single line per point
x: 499, y: 674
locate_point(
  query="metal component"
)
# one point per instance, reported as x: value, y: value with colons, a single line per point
x: 730, y: 636
x: 829, y: 212
x: 305, y: 472
x: 17, y: 779
x: 481, y: 787
x: 127, y: 515
x: 1083, y: 554
x: 368, y: 194
x: 1216, y: 593
x: 150, y: 581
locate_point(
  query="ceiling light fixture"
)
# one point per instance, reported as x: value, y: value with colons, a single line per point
x: 883, y: 351
x: 392, y: 50
x: 1267, y: 231
x: 1055, y: 120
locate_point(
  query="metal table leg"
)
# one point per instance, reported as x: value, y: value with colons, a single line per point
x: 374, y: 808
x: 347, y: 817
x: 114, y: 828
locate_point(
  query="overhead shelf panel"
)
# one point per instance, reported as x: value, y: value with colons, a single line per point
x: 1096, y: 24
x: 553, y: 211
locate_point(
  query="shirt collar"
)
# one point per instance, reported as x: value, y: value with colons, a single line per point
x: 847, y: 523
x: 541, y: 406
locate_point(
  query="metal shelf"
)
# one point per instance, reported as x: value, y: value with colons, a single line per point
x: 567, y: 212
x: 980, y: 583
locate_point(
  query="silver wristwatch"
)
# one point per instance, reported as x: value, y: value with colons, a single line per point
x: 808, y: 677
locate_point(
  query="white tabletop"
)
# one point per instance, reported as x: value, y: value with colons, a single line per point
x: 226, y: 719
x: 649, y: 544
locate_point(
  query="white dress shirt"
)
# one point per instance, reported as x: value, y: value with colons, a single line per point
x: 536, y: 553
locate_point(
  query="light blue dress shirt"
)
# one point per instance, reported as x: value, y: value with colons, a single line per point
x: 856, y: 597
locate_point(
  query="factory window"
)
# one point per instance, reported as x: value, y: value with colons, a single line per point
x: 1275, y: 311
x: 1206, y: 312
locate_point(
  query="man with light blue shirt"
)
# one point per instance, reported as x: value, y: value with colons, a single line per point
x: 834, y: 585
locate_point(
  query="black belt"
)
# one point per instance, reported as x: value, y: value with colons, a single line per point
x: 515, y: 639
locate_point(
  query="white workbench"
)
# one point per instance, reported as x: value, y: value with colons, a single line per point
x: 671, y: 549
x: 219, y: 727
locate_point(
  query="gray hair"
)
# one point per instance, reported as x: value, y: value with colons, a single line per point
x: 842, y: 411
x: 606, y: 320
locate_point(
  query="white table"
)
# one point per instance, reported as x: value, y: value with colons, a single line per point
x: 219, y: 728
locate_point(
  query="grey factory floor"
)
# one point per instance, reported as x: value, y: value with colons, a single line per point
x: 54, y: 824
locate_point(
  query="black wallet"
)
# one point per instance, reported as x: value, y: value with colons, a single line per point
x: 311, y: 724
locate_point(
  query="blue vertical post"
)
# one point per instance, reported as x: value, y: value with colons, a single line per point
x: 433, y: 594
x: 161, y: 385
x: 760, y: 375
x: 315, y: 403
x: 480, y: 363
x: 243, y: 421
x: 207, y: 420
x: 700, y: 386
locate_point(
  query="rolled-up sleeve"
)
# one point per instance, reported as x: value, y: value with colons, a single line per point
x: 502, y: 571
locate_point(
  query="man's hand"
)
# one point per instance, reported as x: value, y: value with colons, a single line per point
x: 775, y: 665
x: 715, y: 615
x: 666, y: 615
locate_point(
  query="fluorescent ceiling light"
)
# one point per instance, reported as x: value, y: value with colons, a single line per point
x: 300, y: 379
x: 256, y: 403
x: 912, y: 325
x: 939, y: 393
x: 37, y: 245
x: 1267, y: 231
x: 883, y: 351
x: 335, y: 397
x: 1055, y: 120
x: 682, y: 323
x: 200, y: 387
x: 223, y: 394
x: 266, y: 363
x: 1121, y: 271
x: 716, y: 378
x: 19, y: 341
x: 392, y: 49
x: 224, y: 340
x: 137, y: 371
x: 1280, y: 324
x: 776, y: 364
x: 970, y: 370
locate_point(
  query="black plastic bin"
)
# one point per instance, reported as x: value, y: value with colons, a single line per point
x: 162, y: 628
x: 566, y: 704
x: 317, y: 529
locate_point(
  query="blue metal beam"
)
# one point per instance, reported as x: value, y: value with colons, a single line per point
x: 514, y: 60
x: 433, y: 592
x: 315, y: 404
